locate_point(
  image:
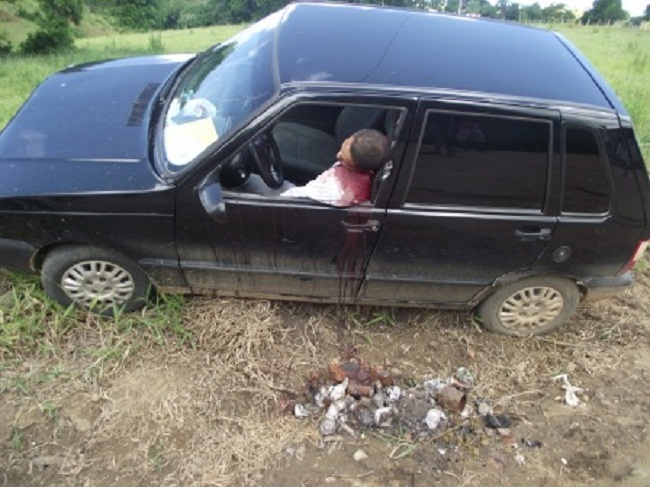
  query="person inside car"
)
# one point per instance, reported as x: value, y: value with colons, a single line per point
x: 349, y: 181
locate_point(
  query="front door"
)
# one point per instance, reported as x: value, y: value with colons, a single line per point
x: 280, y: 248
x: 256, y: 244
x: 471, y: 203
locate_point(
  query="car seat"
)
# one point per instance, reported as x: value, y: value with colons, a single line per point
x: 307, y: 151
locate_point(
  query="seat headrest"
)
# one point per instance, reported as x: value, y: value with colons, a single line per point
x: 352, y: 119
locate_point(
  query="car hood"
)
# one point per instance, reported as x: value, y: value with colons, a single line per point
x: 86, y: 129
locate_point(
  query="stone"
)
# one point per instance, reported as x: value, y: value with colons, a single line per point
x: 359, y: 455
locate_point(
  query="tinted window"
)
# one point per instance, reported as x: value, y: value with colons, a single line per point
x: 586, y: 187
x: 483, y: 161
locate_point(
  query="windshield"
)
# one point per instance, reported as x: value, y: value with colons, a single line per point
x: 223, y: 86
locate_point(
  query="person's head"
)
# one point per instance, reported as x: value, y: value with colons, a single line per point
x: 365, y: 150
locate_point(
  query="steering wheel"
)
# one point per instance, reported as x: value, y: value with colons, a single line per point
x: 266, y: 155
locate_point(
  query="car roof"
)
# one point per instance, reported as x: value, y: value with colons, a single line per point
x: 343, y: 43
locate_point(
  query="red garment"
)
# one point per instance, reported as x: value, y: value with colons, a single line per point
x: 338, y: 186
x: 356, y: 185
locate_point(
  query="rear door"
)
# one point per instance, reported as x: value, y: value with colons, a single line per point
x: 471, y: 203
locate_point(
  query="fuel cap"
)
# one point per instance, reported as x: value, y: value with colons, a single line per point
x: 561, y: 254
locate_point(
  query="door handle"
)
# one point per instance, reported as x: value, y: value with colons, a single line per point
x: 369, y: 226
x: 529, y: 234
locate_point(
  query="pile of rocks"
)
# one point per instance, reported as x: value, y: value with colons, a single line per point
x: 356, y: 395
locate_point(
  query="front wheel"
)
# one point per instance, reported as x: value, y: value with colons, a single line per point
x: 533, y: 306
x: 96, y: 279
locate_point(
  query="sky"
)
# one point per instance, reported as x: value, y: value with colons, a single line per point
x: 633, y: 7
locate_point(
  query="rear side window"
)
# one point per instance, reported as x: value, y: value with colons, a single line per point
x: 586, y: 185
x: 481, y: 161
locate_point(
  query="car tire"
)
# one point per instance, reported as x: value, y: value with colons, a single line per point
x: 96, y: 279
x: 533, y: 306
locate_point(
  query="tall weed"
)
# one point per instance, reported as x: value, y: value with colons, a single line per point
x: 156, y: 44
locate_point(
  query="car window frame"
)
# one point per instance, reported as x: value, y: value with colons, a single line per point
x: 476, y: 107
x: 605, y: 164
x: 272, y: 114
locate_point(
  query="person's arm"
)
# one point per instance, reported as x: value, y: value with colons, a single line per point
x: 326, y: 188
x: 297, y: 192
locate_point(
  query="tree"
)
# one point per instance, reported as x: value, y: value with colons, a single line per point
x: 511, y: 12
x: 488, y: 10
x: 532, y: 13
x: 647, y: 12
x: 557, y: 12
x: 452, y: 6
x: 437, y: 5
x: 239, y: 11
x: 482, y: 8
x: 604, y: 12
x: 569, y: 16
x: 55, y: 32
x: 138, y: 14
x: 68, y: 10
x: 5, y: 43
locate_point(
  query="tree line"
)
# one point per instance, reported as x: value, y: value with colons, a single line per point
x: 57, y: 18
x: 173, y: 14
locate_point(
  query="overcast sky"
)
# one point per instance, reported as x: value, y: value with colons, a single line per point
x: 633, y: 7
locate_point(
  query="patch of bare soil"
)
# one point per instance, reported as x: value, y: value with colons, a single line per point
x: 215, y: 413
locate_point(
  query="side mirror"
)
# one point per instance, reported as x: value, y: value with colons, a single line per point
x: 211, y: 197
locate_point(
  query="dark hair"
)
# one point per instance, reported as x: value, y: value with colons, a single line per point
x: 369, y: 149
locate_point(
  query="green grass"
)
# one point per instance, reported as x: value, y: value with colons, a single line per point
x: 19, y: 75
x: 17, y: 439
x: 18, y: 30
x: 33, y: 325
x: 623, y: 57
x: 173, y: 41
x: 16, y: 27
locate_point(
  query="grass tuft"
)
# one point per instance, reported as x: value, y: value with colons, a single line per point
x: 32, y: 323
x: 34, y: 328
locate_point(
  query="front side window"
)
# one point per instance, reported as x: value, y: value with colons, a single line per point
x: 312, y: 145
x: 222, y: 87
x: 586, y: 186
x: 481, y: 161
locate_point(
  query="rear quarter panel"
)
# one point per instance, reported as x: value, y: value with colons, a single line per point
x: 601, y: 244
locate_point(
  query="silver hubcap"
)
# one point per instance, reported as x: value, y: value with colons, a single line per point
x: 97, y: 282
x: 530, y: 308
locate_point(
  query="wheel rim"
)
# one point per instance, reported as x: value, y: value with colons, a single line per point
x: 98, y: 282
x: 531, y: 308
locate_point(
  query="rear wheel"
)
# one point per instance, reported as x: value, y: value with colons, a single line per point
x: 533, y: 306
x: 96, y: 279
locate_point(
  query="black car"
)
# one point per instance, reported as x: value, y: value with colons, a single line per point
x: 515, y: 184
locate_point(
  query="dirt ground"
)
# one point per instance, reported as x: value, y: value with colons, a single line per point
x: 211, y: 412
